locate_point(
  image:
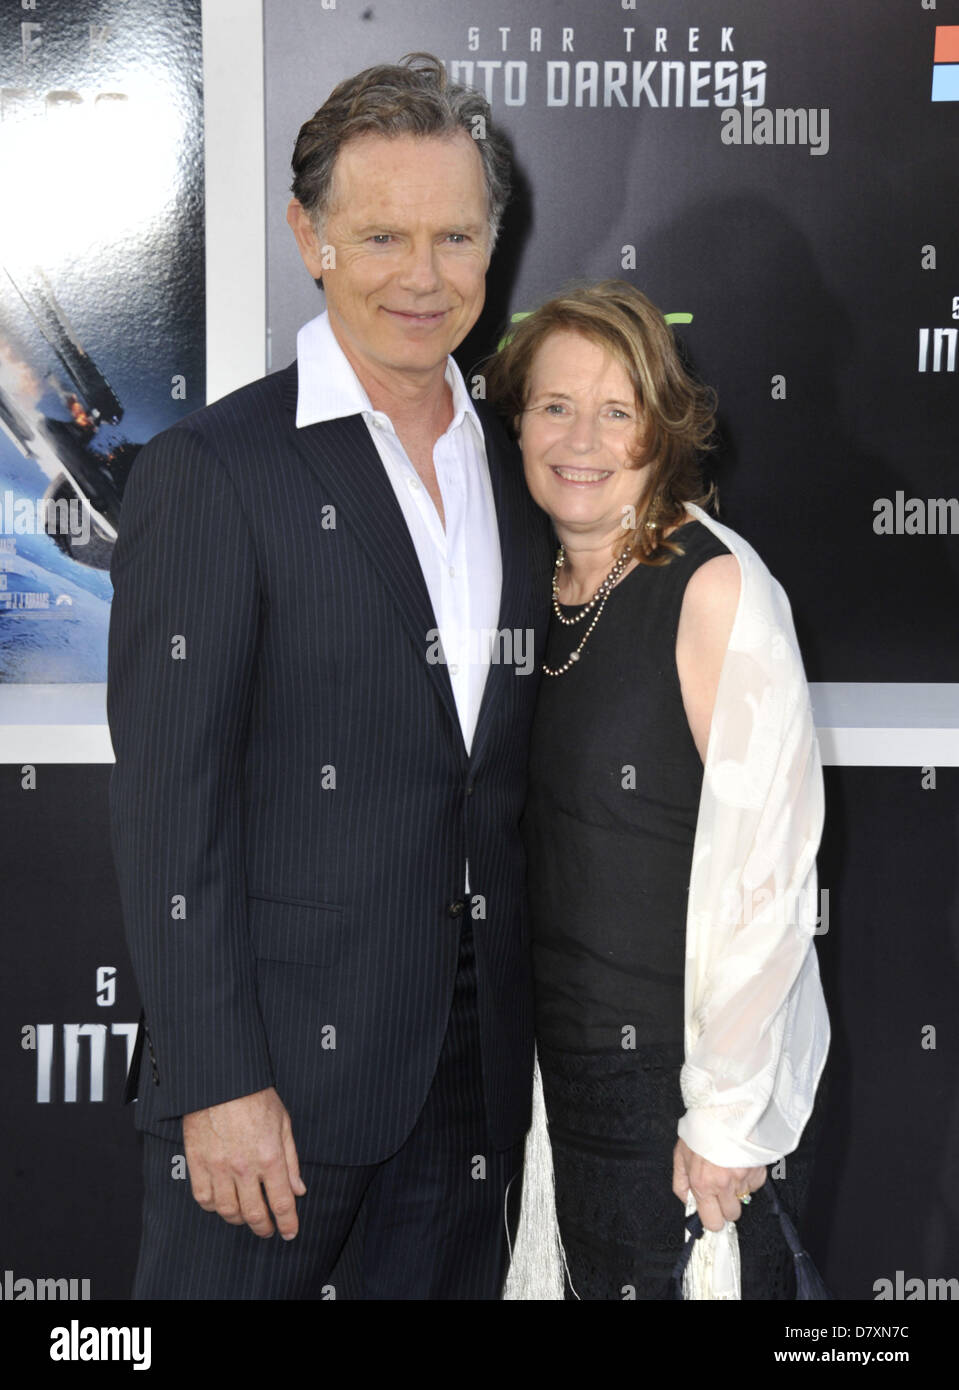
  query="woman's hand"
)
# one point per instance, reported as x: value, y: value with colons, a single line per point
x: 715, y: 1189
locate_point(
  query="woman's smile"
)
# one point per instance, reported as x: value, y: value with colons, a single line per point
x: 582, y: 477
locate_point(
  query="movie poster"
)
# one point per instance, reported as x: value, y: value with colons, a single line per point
x: 101, y: 301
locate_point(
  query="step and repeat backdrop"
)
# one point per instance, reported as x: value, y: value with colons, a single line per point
x: 783, y: 180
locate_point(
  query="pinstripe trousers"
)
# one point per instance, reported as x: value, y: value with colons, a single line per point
x: 427, y: 1223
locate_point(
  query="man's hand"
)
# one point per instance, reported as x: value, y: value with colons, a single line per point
x: 232, y: 1148
x: 715, y: 1189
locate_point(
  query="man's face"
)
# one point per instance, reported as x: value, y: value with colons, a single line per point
x: 408, y: 224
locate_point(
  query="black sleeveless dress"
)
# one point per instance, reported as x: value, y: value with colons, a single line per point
x: 610, y: 820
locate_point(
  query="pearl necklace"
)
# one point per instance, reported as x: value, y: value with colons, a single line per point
x: 600, y: 597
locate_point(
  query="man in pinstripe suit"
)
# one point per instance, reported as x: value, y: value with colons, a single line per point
x: 314, y: 818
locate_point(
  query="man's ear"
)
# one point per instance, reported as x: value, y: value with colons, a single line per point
x: 301, y: 224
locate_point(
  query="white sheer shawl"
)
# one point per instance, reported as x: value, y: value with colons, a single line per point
x: 756, y: 1026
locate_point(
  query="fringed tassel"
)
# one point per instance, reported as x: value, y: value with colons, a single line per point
x: 712, y: 1272
x: 810, y: 1284
x: 537, y: 1268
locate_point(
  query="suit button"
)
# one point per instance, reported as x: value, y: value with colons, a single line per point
x: 469, y: 789
x: 456, y: 908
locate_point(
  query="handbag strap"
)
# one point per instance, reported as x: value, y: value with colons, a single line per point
x: 809, y: 1282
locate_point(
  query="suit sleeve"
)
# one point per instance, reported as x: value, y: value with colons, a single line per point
x: 182, y: 659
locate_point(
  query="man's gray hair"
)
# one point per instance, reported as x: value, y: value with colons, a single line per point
x: 412, y: 97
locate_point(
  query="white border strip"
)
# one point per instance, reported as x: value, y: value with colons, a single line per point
x: 54, y: 724
x: 55, y: 743
x: 235, y: 192
x: 67, y: 724
x: 889, y: 747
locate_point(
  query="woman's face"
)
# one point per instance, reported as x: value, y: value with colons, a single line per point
x: 579, y: 432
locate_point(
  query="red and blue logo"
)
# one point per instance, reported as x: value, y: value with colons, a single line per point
x: 945, y: 72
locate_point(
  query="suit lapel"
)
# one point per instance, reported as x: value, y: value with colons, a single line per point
x: 506, y: 478
x: 345, y: 460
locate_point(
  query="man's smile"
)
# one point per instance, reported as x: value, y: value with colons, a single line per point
x: 427, y: 316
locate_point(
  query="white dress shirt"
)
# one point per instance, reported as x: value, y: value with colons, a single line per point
x: 462, y: 566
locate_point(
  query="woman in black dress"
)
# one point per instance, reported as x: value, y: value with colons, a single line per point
x: 645, y: 595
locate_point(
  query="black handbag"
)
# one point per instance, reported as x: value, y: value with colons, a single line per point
x: 809, y: 1282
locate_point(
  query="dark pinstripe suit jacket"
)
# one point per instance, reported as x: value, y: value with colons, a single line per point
x: 284, y: 930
